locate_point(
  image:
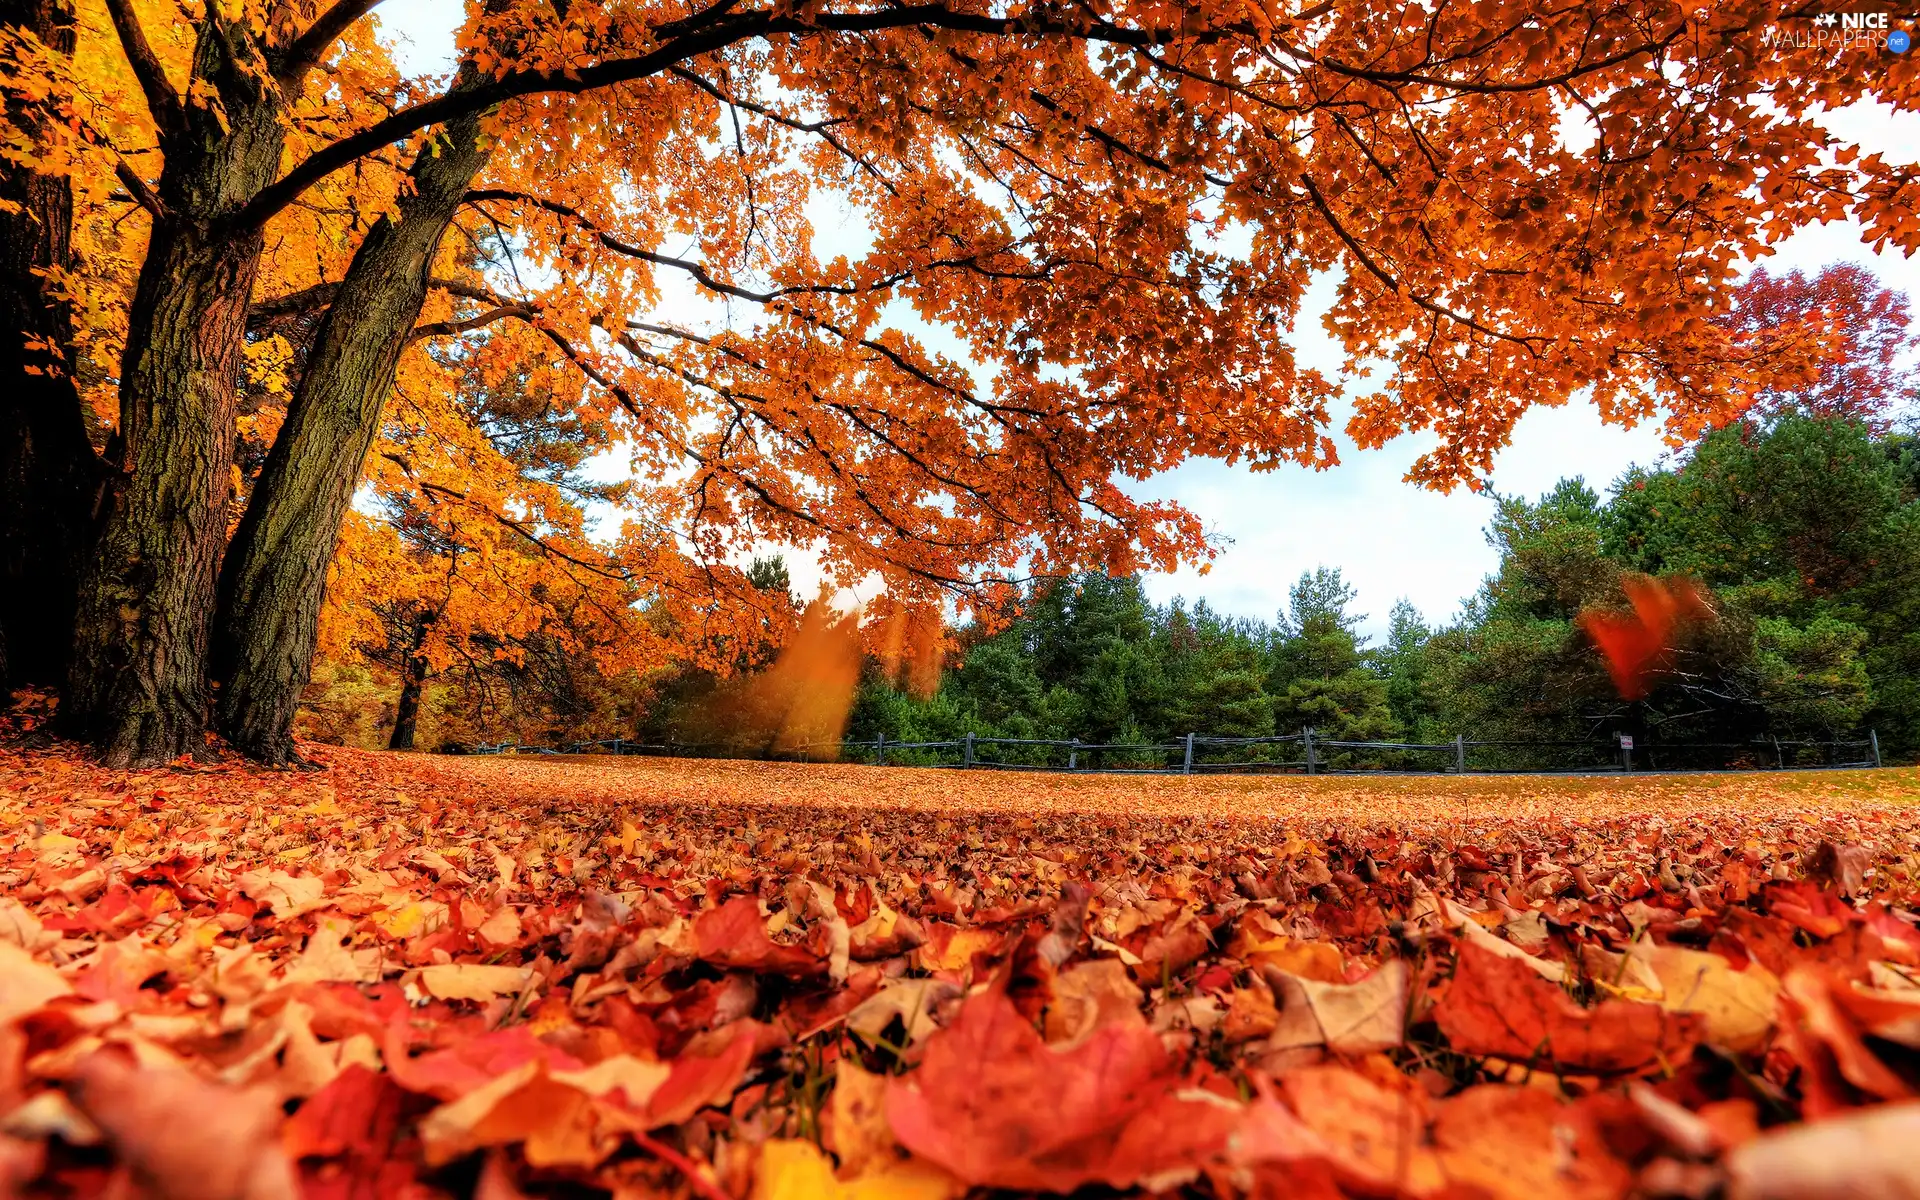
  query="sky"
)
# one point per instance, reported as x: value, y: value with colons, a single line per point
x: 1390, y: 538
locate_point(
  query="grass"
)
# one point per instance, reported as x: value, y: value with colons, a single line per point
x: 1359, y: 799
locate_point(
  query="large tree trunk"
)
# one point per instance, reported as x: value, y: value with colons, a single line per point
x: 137, y: 688
x: 275, y: 575
x: 49, y: 473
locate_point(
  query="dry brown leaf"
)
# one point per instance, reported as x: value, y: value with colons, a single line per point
x: 1347, y: 1018
x: 1867, y: 1153
x: 1088, y: 995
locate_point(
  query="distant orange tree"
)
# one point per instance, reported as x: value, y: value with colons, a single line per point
x: 240, y: 248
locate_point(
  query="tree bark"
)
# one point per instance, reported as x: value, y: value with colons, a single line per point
x: 275, y: 575
x: 413, y: 677
x: 407, y: 712
x: 49, y: 473
x: 137, y: 686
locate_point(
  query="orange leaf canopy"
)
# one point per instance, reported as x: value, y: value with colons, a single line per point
x: 924, y: 287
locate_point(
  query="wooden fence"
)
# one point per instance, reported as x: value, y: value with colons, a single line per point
x: 1303, y: 753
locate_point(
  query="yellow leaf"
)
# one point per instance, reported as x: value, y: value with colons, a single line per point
x: 411, y: 919
x: 472, y: 981
x: 1309, y: 960
x: 791, y: 1169
x: 1737, y: 1006
x: 957, y: 954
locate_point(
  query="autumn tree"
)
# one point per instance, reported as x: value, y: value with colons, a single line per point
x: 1858, y: 329
x: 1061, y: 191
x: 50, y: 475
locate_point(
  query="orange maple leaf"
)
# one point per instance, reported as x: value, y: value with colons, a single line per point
x: 1633, y: 642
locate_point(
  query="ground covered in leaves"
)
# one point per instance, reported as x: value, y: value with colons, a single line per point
x: 401, y: 976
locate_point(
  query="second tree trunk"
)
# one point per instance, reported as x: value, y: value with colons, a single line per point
x: 275, y: 575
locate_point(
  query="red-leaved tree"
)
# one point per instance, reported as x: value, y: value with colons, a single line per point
x: 1855, y: 329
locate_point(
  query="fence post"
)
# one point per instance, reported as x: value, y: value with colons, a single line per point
x: 1459, y: 754
x: 1873, y: 737
x: 1307, y: 733
x: 1186, y: 767
x: 967, y: 754
x: 880, y: 751
x: 1073, y: 754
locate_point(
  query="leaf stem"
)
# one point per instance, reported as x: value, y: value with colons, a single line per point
x: 681, y: 1163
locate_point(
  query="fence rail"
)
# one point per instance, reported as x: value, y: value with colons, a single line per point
x: 1201, y: 754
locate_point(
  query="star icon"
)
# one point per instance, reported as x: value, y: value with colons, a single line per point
x: 1826, y: 19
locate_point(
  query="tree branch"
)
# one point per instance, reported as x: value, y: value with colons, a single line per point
x: 303, y: 52
x: 1394, y: 285
x: 320, y: 295
x: 525, y: 312
x: 715, y: 34
x: 137, y: 187
x: 1416, y: 78
x: 164, y: 103
x: 822, y: 129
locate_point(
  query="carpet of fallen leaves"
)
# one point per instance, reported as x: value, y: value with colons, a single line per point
x: 402, y: 976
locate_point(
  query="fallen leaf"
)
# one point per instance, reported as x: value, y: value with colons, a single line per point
x: 1259, y: 941
x: 969, y: 1106
x: 1172, y: 948
x: 857, y: 1131
x: 472, y: 981
x: 735, y: 936
x: 1497, y: 1006
x: 287, y: 895
x: 1736, y: 1007
x: 500, y: 929
x: 1860, y: 1154
x: 791, y: 1169
x: 1374, y: 1137
x: 186, y: 1137
x: 912, y: 1001
x: 326, y: 958
x: 557, y: 1125
x: 1251, y: 1014
x: 1347, y: 1018
x: 25, y: 982
x: 1088, y: 995
x: 951, y: 948
x: 1520, y: 1143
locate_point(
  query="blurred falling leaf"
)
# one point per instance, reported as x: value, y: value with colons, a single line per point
x: 1634, y: 642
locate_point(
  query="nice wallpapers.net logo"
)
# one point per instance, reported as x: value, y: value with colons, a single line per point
x: 1842, y: 31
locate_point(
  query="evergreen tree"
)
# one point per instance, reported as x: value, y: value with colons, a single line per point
x: 1319, y: 672
x: 1805, y: 532
x: 1403, y: 661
